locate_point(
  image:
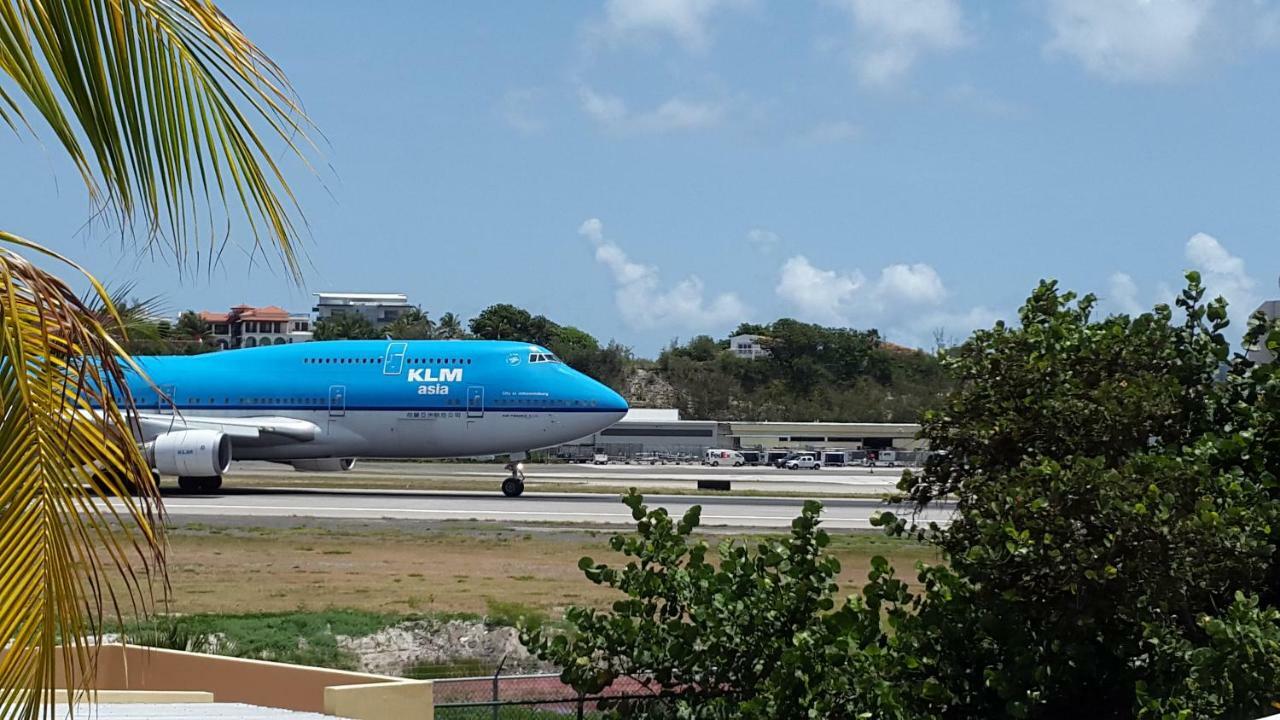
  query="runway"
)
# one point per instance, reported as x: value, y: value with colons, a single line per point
x: 830, y: 481
x: 586, y: 509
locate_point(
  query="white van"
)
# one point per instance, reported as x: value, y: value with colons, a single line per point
x: 716, y: 458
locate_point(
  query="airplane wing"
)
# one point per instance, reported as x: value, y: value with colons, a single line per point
x: 245, y: 431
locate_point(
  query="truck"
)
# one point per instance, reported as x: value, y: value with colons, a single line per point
x: 804, y: 462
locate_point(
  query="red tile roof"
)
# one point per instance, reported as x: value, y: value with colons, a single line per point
x: 269, y: 313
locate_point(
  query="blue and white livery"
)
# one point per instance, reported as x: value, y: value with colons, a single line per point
x: 319, y: 405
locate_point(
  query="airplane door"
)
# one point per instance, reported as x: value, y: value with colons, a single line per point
x: 475, y: 401
x: 393, y: 363
x: 337, y: 400
x: 164, y: 401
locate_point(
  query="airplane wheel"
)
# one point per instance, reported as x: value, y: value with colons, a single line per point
x: 200, y: 484
x: 511, y: 487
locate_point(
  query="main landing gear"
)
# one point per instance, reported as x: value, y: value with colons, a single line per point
x: 200, y: 484
x: 514, y: 485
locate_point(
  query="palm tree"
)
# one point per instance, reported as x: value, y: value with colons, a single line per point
x: 414, y: 324
x: 347, y: 326
x: 192, y: 328
x: 171, y: 117
x: 133, y: 319
x: 449, y: 327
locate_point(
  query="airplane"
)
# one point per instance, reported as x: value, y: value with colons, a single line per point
x: 320, y: 405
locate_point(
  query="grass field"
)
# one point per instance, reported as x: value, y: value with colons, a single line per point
x: 447, y: 567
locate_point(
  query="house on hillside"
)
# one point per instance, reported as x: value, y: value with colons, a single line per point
x: 248, y: 326
x: 748, y: 346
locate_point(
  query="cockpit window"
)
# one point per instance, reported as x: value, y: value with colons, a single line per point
x: 543, y: 358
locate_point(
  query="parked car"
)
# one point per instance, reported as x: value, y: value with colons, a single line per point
x: 782, y: 461
x: 599, y: 459
x: 804, y: 462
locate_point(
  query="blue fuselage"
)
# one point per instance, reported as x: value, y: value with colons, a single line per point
x: 385, y: 398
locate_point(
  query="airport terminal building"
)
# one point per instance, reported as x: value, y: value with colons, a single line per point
x: 647, y: 430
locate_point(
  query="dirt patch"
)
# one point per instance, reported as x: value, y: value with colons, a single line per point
x: 236, y: 566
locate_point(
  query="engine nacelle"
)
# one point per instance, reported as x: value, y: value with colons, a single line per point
x: 323, y: 464
x: 190, y: 453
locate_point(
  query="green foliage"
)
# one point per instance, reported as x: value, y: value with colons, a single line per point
x: 414, y: 324
x: 512, y: 613
x: 812, y: 373
x: 1112, y: 552
x: 346, y: 326
x: 508, y: 322
x: 750, y: 633
x: 449, y: 327
x: 1113, y: 501
x: 308, y: 638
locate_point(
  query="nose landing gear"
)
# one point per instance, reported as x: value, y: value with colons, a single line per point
x: 514, y: 486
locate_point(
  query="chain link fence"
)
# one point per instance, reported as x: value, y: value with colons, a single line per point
x: 533, y: 697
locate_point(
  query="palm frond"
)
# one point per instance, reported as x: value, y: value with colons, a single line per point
x: 160, y: 104
x: 77, y: 546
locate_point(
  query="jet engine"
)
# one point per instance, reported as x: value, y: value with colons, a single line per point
x: 323, y: 464
x: 190, y: 453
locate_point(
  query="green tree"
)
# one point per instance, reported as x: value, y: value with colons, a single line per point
x: 346, y: 326
x: 191, y: 328
x: 414, y: 324
x: 508, y: 322
x: 744, y: 632
x: 449, y: 327
x: 501, y: 322
x: 1111, y: 553
x: 1115, y: 521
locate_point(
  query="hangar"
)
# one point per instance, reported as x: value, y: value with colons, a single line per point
x: 661, y: 430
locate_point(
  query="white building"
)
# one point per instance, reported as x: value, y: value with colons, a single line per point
x: 249, y: 326
x: 748, y: 346
x: 300, y: 327
x: 381, y: 309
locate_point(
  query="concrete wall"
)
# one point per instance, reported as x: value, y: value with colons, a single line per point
x: 267, y: 684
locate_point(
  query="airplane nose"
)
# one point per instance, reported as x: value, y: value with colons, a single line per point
x: 609, y: 402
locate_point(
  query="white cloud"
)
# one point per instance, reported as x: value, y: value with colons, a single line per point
x: 1224, y: 274
x: 1221, y: 273
x: 836, y: 131
x: 912, y: 284
x: 686, y: 21
x: 520, y: 110
x: 1130, y: 40
x: 604, y: 109
x: 1123, y: 294
x: 893, y: 34
x: 905, y: 302
x: 680, y: 114
x: 676, y: 113
x: 642, y: 302
x: 821, y: 295
x: 763, y: 240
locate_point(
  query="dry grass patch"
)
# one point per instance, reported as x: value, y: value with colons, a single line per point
x: 389, y: 567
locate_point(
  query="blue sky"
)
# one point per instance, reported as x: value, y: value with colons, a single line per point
x: 654, y: 169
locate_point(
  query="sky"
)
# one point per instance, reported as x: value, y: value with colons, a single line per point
x: 655, y: 169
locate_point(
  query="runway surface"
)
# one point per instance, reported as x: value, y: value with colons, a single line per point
x: 588, y: 509
x: 827, y: 481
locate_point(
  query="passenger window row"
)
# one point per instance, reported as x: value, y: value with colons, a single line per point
x: 508, y: 402
x: 374, y: 361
